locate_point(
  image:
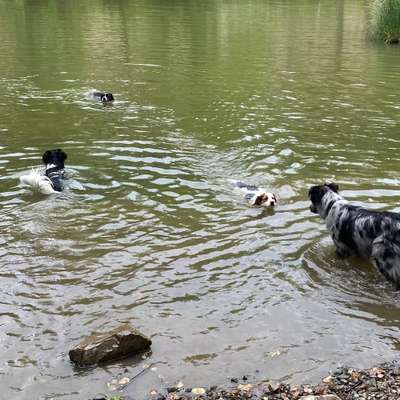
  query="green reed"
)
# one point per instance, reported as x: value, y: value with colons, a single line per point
x: 385, y: 20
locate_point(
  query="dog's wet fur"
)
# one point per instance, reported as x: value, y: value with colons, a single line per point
x: 356, y: 230
x: 54, y: 162
x: 103, y: 97
x: 256, y: 196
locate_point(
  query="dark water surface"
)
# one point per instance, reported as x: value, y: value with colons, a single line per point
x: 283, y: 94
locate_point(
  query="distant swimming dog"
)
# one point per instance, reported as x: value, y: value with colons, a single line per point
x: 355, y: 230
x: 103, y: 97
x: 256, y: 196
x: 51, y: 181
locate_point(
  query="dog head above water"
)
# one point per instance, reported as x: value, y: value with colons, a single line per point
x: 107, y: 97
x: 54, y: 158
x: 103, y: 97
x: 255, y: 195
x: 316, y: 193
x: 54, y: 161
x: 263, y: 199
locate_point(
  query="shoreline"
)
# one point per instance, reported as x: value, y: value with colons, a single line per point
x: 381, y: 382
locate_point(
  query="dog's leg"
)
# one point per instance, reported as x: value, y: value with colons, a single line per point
x: 385, y: 256
x: 388, y: 270
x: 342, y: 254
x: 342, y: 251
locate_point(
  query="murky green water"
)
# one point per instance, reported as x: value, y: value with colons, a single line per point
x: 283, y: 94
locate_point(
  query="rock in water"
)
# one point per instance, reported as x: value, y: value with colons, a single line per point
x: 118, y: 343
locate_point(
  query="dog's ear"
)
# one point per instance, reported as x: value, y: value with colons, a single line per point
x: 316, y: 193
x: 259, y: 199
x: 63, y: 155
x: 333, y: 187
x: 46, y: 157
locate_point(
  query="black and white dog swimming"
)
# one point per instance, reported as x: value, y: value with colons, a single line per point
x: 256, y: 196
x: 357, y: 231
x: 52, y: 180
x: 103, y: 97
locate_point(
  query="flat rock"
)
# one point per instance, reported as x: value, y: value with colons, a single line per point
x: 121, y: 342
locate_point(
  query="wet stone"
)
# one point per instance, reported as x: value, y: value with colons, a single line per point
x: 121, y: 342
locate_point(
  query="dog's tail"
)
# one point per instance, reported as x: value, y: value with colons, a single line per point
x: 38, y: 182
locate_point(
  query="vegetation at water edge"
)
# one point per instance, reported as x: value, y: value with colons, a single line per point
x: 385, y: 20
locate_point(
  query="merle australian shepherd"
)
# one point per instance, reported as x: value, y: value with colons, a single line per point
x: 52, y: 180
x: 355, y: 230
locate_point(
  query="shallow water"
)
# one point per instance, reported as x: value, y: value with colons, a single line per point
x: 149, y: 229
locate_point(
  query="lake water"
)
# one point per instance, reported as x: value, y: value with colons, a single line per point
x: 149, y: 230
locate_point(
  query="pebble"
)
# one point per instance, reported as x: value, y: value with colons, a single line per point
x: 199, y: 391
x: 381, y: 382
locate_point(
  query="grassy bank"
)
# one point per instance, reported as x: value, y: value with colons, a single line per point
x: 385, y: 20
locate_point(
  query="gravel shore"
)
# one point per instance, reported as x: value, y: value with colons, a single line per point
x: 381, y: 382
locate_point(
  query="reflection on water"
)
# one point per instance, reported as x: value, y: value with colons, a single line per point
x: 150, y: 230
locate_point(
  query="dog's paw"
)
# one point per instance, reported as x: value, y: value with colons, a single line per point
x: 342, y: 254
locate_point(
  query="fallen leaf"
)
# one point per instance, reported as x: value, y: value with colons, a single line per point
x: 274, y: 353
x: 123, y: 381
x: 355, y: 376
x: 113, y: 384
x: 307, y: 389
x: 198, y: 391
x: 378, y: 372
x: 245, y: 387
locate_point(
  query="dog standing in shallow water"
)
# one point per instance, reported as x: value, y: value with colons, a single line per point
x: 51, y: 181
x: 355, y: 230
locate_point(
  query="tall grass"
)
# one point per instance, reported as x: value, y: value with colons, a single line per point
x: 385, y: 20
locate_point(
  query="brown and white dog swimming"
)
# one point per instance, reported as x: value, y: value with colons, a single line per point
x: 52, y: 180
x: 355, y: 230
x: 256, y: 196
